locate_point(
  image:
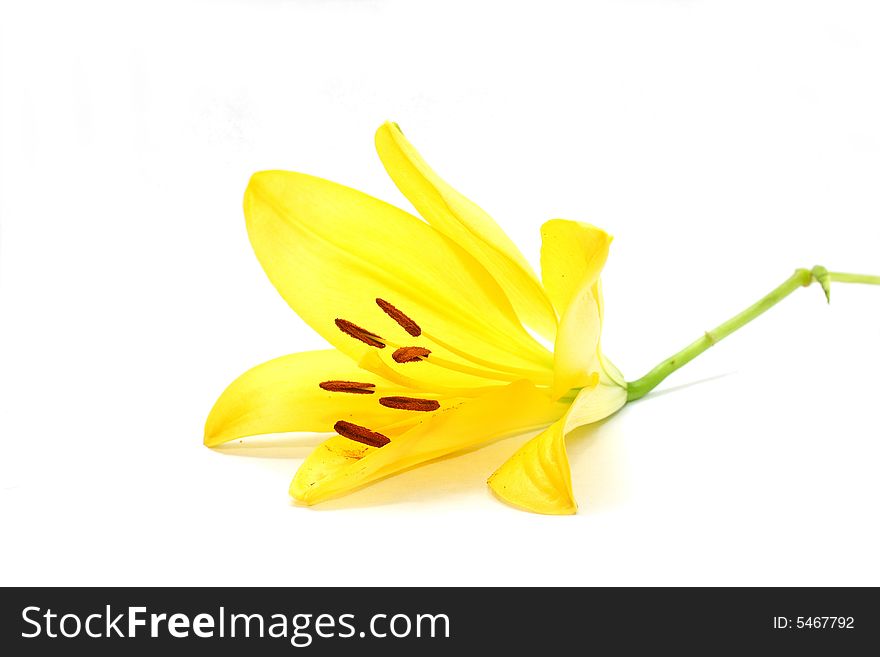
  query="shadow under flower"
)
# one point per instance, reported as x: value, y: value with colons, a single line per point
x: 683, y: 386
x: 597, y: 455
x: 595, y: 452
x: 274, y: 446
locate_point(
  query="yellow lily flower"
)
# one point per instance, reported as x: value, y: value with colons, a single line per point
x: 428, y: 323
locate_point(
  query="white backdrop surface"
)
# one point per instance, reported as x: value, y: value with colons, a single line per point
x: 722, y: 143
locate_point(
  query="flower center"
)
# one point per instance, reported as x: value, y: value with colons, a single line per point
x: 402, y: 354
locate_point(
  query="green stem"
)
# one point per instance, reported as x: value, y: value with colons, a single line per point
x: 801, y: 278
x: 837, y: 277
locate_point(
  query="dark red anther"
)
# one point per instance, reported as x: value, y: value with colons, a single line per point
x: 410, y: 403
x: 360, y: 434
x: 406, y: 322
x: 348, y: 386
x: 410, y: 354
x: 358, y: 333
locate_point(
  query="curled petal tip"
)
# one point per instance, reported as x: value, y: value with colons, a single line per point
x: 258, y: 177
x: 211, y: 437
x: 535, y: 505
x: 389, y: 126
x: 216, y: 440
x: 298, y: 492
x: 537, y: 477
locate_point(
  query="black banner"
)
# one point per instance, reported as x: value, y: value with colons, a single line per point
x: 108, y: 621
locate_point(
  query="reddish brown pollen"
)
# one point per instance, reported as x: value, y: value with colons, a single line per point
x: 348, y: 386
x: 360, y: 434
x: 358, y: 333
x: 410, y: 354
x: 410, y: 403
x: 406, y: 322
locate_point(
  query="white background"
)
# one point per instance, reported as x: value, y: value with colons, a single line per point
x: 722, y: 143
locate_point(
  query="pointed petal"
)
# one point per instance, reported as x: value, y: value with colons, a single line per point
x: 572, y: 256
x: 332, y: 251
x: 577, y: 344
x: 537, y: 477
x: 339, y: 465
x: 283, y: 395
x: 468, y: 225
x: 607, y: 369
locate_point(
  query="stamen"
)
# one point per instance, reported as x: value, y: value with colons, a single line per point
x: 348, y: 386
x: 360, y: 434
x: 408, y: 324
x: 410, y: 354
x: 358, y: 333
x: 541, y: 376
x: 410, y: 403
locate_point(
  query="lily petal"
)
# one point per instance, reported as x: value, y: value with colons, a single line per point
x: 339, y: 465
x: 577, y: 344
x: 609, y: 371
x: 283, y: 395
x: 537, y: 477
x: 594, y: 404
x: 572, y: 257
x: 331, y: 251
x: 468, y: 225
